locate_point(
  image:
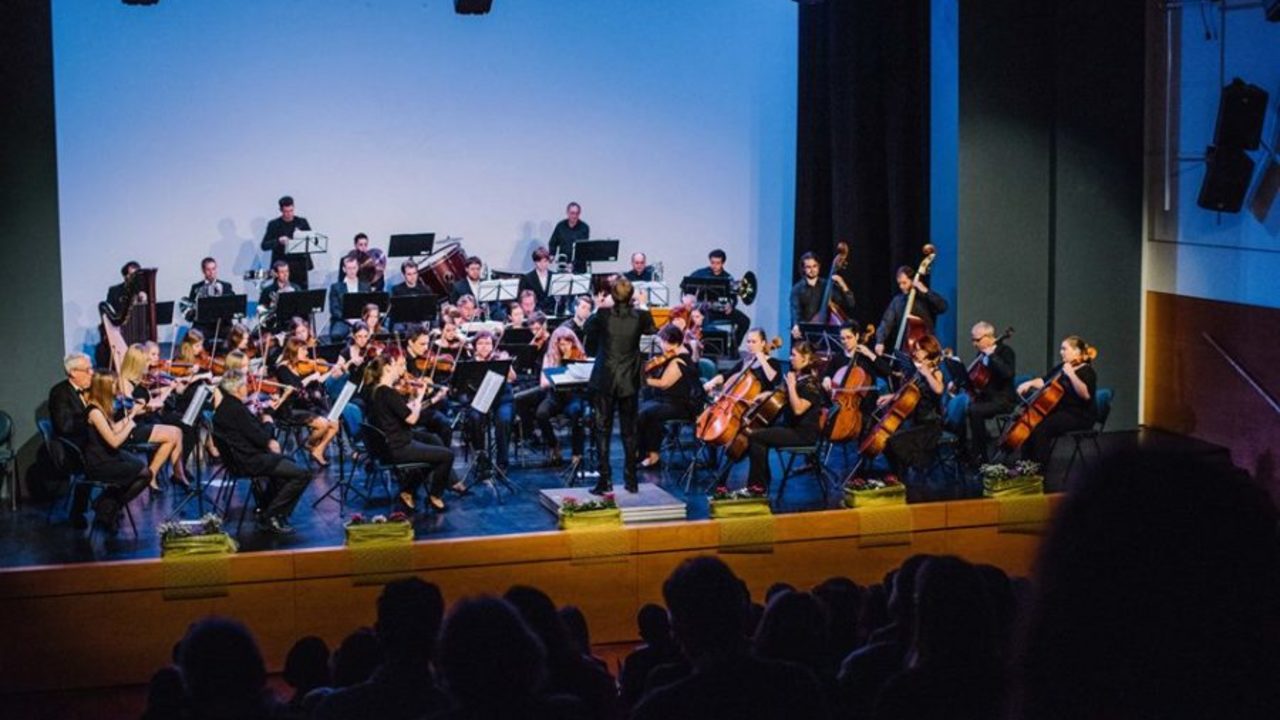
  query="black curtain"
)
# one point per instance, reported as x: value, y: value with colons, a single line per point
x: 862, y: 146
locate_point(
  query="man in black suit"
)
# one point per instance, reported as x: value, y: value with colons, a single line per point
x: 67, y: 415
x: 613, y: 338
x: 539, y: 280
x: 255, y: 452
x: 118, y: 295
x: 349, y: 282
x: 280, y: 283
x: 276, y: 239
x: 470, y: 284
x: 209, y: 286
x: 567, y: 233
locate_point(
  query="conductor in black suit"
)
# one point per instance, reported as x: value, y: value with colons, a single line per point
x: 613, y: 337
x: 276, y: 239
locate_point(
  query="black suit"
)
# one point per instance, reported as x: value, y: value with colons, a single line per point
x: 198, y: 291
x: 563, y: 238
x: 613, y: 337
x: 117, y: 298
x: 67, y: 415
x: 338, y: 327
x: 530, y: 281
x: 646, y: 276
x: 299, y: 264
x: 248, y: 441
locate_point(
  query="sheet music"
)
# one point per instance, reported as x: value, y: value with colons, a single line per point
x: 489, y: 388
x: 340, y: 404
x: 196, y: 404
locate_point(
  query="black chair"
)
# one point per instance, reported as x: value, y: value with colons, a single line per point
x: 946, y: 459
x: 1078, y: 437
x: 8, y: 458
x: 375, y: 441
x: 232, y: 474
x: 75, y: 455
x: 815, y: 453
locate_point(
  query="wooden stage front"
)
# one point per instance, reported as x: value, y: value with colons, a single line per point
x: 110, y: 623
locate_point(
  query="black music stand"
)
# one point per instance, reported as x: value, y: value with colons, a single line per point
x: 468, y: 374
x: 524, y: 356
x: 586, y: 252
x: 706, y: 289
x: 221, y: 310
x: 411, y: 309
x: 517, y: 336
x: 164, y: 313
x: 353, y: 303
x: 824, y: 338
x: 303, y: 303
x: 411, y: 244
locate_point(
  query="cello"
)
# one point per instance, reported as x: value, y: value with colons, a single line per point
x: 979, y: 372
x: 899, y: 408
x: 912, y: 328
x: 829, y: 312
x: 1034, y: 411
x: 848, y: 393
x: 721, y: 422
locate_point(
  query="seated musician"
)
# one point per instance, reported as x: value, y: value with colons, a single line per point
x: 149, y: 427
x: 360, y: 348
x: 677, y: 393
x: 470, y: 284
x: 279, y: 283
x: 308, y: 403
x: 927, y: 307
x: 451, y: 339
x: 915, y: 443
x: 538, y: 281
x: 999, y: 396
x: 1077, y: 410
x: 412, y: 284
x: 350, y: 282
x: 105, y: 460
x: 640, y: 270
x: 296, y: 328
x: 562, y: 348
x: 808, y: 292
x: 538, y: 325
x: 371, y: 316
x: 503, y: 409
x: 254, y: 451
x: 396, y: 415
x: 67, y: 405
x: 767, y: 369
x: 208, y: 286
x: 422, y: 361
x: 239, y: 338
x: 857, y: 355
x: 730, y: 313
x: 583, y: 306
x: 799, y: 422
x: 528, y: 301
x: 515, y: 316
x: 468, y: 310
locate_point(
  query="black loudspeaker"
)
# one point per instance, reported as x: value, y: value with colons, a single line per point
x: 1240, y: 114
x: 1226, y: 179
x: 472, y: 7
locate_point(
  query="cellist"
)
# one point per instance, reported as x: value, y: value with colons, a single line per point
x: 767, y: 369
x: 857, y: 356
x: 915, y: 444
x: 1077, y: 410
x: 808, y: 293
x: 927, y: 307
x: 799, y: 426
x: 997, y: 396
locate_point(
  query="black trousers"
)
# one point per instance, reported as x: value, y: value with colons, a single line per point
x: 762, y: 440
x: 1055, y: 425
x: 571, y: 406
x: 740, y: 322
x: 436, y: 423
x: 625, y: 407
x: 285, y: 484
x: 120, y: 475
x: 439, y: 457
x: 979, y: 412
x: 653, y: 413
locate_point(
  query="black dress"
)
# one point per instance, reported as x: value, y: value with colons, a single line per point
x: 787, y: 431
x: 680, y: 401
x: 389, y: 412
x: 1072, y: 413
x: 915, y: 445
x: 103, y: 463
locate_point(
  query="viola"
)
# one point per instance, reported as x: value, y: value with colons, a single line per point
x: 1035, y: 410
x: 721, y: 422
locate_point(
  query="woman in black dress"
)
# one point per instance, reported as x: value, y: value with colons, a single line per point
x: 150, y: 426
x: 799, y: 422
x: 306, y: 405
x: 395, y: 415
x: 915, y: 444
x: 676, y: 390
x: 1077, y: 410
x: 125, y: 473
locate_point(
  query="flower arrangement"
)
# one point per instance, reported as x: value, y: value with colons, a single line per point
x: 861, y: 492
x: 745, y: 502
x: 1000, y: 471
x: 873, y: 483
x: 571, y: 506
x: 750, y: 492
x: 395, y: 517
x: 210, y: 524
x: 195, y: 537
x: 1021, y: 478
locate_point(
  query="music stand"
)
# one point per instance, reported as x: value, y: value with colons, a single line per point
x: 330, y: 351
x: 222, y: 309
x: 658, y: 293
x: 586, y: 252
x: 302, y: 303
x: 411, y: 244
x: 164, y: 313
x: 468, y: 374
x: 706, y: 289
x: 524, y: 357
x: 408, y: 309
x: 503, y: 290
x: 353, y: 303
x: 824, y: 338
x: 517, y: 336
x: 504, y: 275
x: 569, y: 284
x: 307, y: 242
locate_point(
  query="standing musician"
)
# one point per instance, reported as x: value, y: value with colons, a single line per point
x: 613, y: 337
x: 279, y: 283
x: 67, y: 406
x: 914, y: 446
x: 928, y: 306
x: 118, y: 295
x: 396, y: 416
x: 1077, y: 410
x: 567, y: 233
x: 640, y: 270
x: 105, y: 461
x: 799, y: 425
x: 503, y: 408
x: 412, y: 284
x: 807, y: 294
x: 148, y: 428
x: 276, y: 239
x: 422, y: 362
x: 254, y: 451
x: 677, y: 393
x: 999, y: 396
x: 350, y: 282
x: 538, y: 281
x: 732, y: 315
x: 208, y: 286
x: 562, y: 348
x: 767, y: 370
x: 306, y: 406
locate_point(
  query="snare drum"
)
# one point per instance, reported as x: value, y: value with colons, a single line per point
x: 444, y: 267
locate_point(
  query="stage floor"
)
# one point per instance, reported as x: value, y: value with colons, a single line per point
x: 27, y: 539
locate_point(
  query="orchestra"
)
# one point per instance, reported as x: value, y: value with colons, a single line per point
x: 879, y: 388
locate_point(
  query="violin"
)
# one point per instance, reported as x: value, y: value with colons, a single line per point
x: 721, y: 422
x: 407, y: 385
x: 310, y: 366
x: 575, y: 354
x: 659, y: 362
x: 433, y: 362
x: 260, y: 385
x: 846, y: 424
x: 1035, y: 410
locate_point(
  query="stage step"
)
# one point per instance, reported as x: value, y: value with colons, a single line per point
x: 651, y: 504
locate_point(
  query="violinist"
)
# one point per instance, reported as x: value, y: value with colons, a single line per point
x: 239, y: 338
x: 422, y: 362
x: 915, y: 445
x: 451, y: 340
x: 538, y: 324
x: 528, y: 301
x: 927, y: 307
x: 371, y: 316
x: 673, y: 378
x: 515, y: 316
x: 767, y: 369
x: 105, y: 460
x: 360, y: 349
x: 149, y: 428
x: 1077, y: 410
x: 799, y: 424
x: 396, y: 416
x: 582, y: 308
x: 305, y: 406
x: 562, y: 348
x: 808, y: 293
x: 998, y: 396
x: 253, y: 449
x: 502, y: 410
x: 468, y: 311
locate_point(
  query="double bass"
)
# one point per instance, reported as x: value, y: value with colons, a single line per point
x: 830, y: 312
x: 1034, y: 411
x: 912, y: 328
x: 846, y: 424
x: 721, y: 422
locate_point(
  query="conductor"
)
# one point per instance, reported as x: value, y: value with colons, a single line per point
x: 613, y: 338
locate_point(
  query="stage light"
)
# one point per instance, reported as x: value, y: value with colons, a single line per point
x: 472, y: 7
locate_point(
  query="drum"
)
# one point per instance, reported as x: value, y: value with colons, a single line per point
x: 444, y: 267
